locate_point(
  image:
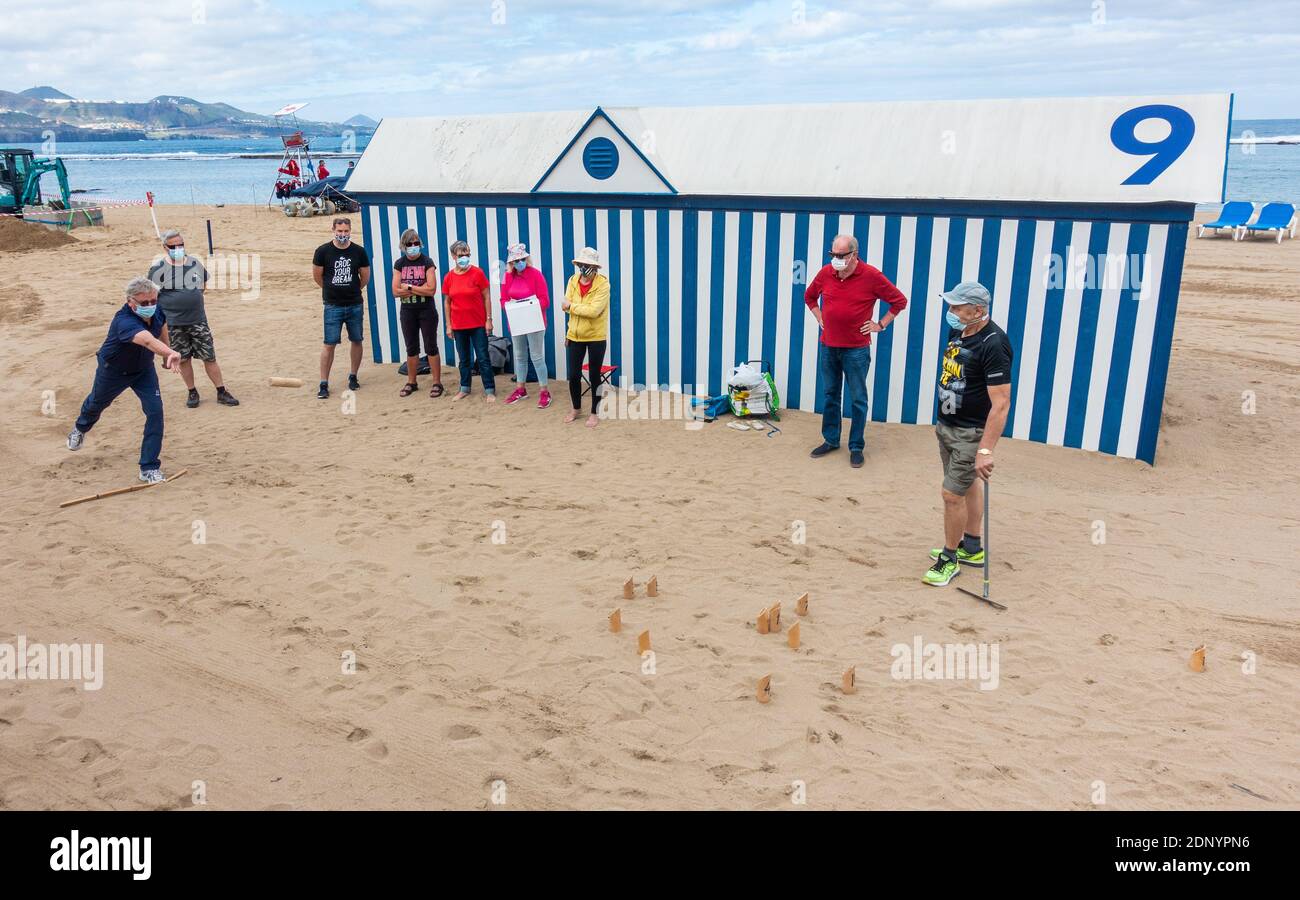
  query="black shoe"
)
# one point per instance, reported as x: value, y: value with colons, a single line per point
x: 822, y: 451
x: 855, y: 459
x: 324, y: 392
x: 193, y: 399
x: 353, y: 384
x: 226, y: 398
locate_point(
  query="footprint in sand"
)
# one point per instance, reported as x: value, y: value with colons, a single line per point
x: 461, y: 732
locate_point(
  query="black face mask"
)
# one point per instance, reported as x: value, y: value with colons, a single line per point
x: 587, y: 271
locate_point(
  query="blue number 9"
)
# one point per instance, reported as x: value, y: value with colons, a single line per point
x: 1123, y: 134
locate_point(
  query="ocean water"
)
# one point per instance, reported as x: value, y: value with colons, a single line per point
x: 240, y: 170
x: 243, y: 170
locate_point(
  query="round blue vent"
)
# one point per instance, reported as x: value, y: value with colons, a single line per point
x: 600, y: 158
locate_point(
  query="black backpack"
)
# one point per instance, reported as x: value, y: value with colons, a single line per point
x: 501, y: 354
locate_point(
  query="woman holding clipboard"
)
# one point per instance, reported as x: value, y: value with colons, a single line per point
x: 586, y: 300
x: 524, y: 282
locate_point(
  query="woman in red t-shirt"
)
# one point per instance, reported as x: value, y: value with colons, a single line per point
x: 467, y: 306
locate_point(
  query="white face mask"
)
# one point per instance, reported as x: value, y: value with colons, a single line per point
x: 838, y: 264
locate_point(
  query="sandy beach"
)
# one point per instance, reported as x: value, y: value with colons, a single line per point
x: 481, y: 661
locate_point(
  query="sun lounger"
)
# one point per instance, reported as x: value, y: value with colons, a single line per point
x: 1233, y: 215
x: 1279, y: 217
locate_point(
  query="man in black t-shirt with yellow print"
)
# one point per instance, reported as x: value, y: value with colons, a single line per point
x: 974, y: 399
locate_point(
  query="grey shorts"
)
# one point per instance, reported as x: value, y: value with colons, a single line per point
x: 957, y: 447
x: 192, y: 341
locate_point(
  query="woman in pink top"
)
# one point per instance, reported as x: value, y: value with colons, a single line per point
x: 522, y: 281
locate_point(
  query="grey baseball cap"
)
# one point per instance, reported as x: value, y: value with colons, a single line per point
x: 968, y: 292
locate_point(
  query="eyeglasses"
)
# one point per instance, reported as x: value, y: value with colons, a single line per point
x: 411, y: 245
x: 175, y: 246
x: 845, y: 255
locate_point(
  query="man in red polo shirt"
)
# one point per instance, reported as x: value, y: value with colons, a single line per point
x: 849, y: 290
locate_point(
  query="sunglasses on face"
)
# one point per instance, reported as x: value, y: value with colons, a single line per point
x: 845, y: 255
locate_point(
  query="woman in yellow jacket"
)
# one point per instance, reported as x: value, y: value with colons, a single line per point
x: 586, y: 300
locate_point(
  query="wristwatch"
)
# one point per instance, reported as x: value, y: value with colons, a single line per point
x: 984, y: 451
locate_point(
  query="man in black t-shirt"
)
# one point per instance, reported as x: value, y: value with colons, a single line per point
x: 342, y: 269
x: 974, y: 399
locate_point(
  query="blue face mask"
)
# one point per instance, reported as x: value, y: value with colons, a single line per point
x: 413, y: 252
x: 146, y: 311
x: 520, y: 265
x: 953, y: 322
x: 342, y: 238
x: 176, y: 253
x: 462, y: 262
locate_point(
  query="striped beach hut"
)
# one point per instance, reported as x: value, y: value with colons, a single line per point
x: 711, y: 220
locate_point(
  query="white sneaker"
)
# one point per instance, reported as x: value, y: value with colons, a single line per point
x: 75, y: 438
x: 152, y: 476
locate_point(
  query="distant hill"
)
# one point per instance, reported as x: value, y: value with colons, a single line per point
x: 45, y: 92
x: 361, y: 121
x: 27, y: 115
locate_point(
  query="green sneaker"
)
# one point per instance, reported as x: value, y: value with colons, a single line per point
x: 942, y: 572
x: 970, y: 559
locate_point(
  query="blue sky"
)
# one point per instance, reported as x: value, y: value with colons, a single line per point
x: 429, y: 57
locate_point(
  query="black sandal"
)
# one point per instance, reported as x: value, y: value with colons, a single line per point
x: 408, y: 389
x: 437, y: 390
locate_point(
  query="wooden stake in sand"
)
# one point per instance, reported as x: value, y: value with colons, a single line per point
x: 1197, y: 662
x: 616, y: 621
x: 801, y: 605
x: 849, y: 680
x: 793, y: 637
x: 774, y: 618
x: 765, y: 689
x: 652, y: 586
x: 628, y: 590
x: 285, y: 382
x: 764, y: 621
x: 116, y: 491
x: 643, y: 641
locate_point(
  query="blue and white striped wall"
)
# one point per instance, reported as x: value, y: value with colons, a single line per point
x: 701, y: 286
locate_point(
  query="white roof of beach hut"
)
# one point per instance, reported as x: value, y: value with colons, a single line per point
x: 1083, y: 150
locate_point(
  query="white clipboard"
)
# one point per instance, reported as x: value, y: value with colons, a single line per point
x: 525, y: 316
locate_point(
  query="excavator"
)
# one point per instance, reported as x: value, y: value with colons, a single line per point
x: 20, y: 181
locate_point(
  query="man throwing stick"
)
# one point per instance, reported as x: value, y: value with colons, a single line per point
x: 137, y: 332
x: 974, y: 399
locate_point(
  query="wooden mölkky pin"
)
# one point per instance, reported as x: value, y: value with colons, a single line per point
x: 1197, y: 662
x: 764, y: 621
x: 643, y: 641
x: 801, y: 605
x: 793, y: 637
x: 849, y: 680
x: 652, y: 586
x: 616, y: 621
x: 764, y: 692
x: 628, y: 590
x: 774, y: 618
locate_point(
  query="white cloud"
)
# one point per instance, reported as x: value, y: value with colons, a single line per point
x: 389, y: 57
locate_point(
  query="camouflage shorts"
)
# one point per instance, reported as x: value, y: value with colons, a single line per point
x: 192, y: 341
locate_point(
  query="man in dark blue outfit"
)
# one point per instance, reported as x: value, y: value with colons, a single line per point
x: 137, y: 332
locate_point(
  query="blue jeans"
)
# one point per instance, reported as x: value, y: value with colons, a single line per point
x: 526, y: 347
x: 840, y: 366
x: 474, y: 339
x: 338, y: 316
x: 108, y: 386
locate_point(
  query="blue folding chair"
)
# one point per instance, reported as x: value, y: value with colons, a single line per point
x: 1279, y: 217
x: 1233, y: 215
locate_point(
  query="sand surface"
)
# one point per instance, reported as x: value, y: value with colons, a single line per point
x: 480, y: 661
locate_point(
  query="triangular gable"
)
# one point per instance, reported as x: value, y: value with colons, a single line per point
x: 602, y: 159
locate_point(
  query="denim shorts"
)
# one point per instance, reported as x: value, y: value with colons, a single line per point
x: 338, y: 316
